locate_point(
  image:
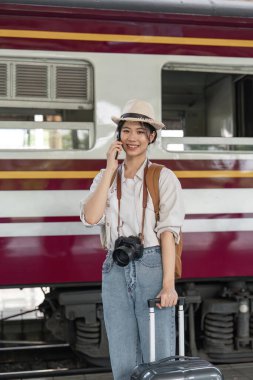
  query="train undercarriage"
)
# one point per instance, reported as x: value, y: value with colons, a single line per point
x: 218, y: 322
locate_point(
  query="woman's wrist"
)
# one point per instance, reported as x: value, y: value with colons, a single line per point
x: 168, y: 283
x: 109, y: 171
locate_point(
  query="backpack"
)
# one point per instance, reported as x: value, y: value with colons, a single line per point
x: 152, y: 181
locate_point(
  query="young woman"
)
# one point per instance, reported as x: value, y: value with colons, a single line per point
x: 150, y: 272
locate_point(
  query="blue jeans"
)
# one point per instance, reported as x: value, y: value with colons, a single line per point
x: 125, y: 292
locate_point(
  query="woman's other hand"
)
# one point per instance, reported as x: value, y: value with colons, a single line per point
x: 168, y: 297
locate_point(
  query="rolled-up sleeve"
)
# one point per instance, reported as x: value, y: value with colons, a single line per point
x: 171, y: 215
x: 93, y: 187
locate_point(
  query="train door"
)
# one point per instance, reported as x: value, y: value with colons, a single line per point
x: 207, y: 110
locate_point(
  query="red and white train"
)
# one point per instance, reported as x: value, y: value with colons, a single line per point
x: 66, y: 67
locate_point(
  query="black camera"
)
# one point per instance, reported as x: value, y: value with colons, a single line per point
x: 127, y: 249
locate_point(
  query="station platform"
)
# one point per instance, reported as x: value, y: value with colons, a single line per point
x: 242, y: 371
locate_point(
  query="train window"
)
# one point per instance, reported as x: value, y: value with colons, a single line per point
x: 44, y: 139
x: 207, y: 111
x: 46, y: 104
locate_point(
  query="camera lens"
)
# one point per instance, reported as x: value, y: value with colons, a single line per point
x: 127, y: 249
x: 122, y: 256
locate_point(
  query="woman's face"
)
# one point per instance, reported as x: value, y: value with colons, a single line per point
x: 135, y: 138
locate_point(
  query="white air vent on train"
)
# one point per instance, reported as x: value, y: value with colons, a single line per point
x: 3, y: 80
x: 31, y: 81
x: 62, y: 84
x: 72, y: 83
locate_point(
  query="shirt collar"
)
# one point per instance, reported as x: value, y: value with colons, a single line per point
x: 139, y: 174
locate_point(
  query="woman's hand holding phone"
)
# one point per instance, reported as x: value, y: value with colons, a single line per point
x: 112, y: 155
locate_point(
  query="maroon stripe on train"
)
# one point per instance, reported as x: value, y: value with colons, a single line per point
x: 78, y: 259
x: 125, y: 28
x: 124, y: 47
x: 84, y: 184
x: 51, y: 165
x: 132, y: 23
x: 219, y: 216
x: 216, y: 183
x: 79, y: 20
x: 50, y: 260
x: 116, y: 15
x: 43, y: 219
x: 66, y: 184
x: 96, y: 165
x: 60, y: 219
x: 45, y: 184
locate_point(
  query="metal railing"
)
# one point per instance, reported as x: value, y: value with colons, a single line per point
x: 208, y: 144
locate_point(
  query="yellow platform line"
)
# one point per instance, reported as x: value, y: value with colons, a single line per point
x: 92, y: 174
x: 48, y: 35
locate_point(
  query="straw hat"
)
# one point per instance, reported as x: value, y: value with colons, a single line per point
x: 139, y: 110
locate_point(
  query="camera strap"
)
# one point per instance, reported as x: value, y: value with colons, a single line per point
x: 144, y: 199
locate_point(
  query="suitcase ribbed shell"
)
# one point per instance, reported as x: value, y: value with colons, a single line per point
x: 168, y: 369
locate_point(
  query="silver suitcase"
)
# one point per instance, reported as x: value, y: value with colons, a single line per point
x: 177, y: 367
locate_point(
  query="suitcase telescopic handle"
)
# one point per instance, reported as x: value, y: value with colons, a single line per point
x: 151, y: 304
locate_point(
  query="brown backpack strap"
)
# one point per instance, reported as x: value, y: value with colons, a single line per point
x: 152, y: 181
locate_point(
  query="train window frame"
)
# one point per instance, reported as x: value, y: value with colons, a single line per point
x: 56, y: 102
x: 217, y: 145
x: 49, y: 126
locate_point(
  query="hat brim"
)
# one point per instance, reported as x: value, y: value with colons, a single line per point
x: 153, y: 123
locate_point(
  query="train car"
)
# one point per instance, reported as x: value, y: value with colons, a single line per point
x: 66, y: 67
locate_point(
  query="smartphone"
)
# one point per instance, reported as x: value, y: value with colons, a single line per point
x: 118, y: 139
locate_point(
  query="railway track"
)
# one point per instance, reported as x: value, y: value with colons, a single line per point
x: 58, y: 362
x: 54, y: 361
x: 66, y: 374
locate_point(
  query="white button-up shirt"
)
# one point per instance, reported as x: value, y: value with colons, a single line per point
x: 171, y: 213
